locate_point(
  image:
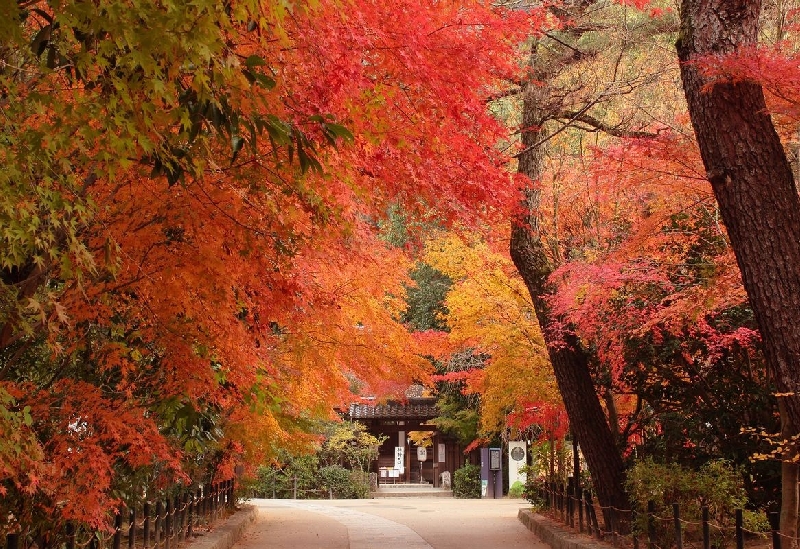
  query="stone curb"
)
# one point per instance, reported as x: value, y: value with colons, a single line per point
x: 228, y: 533
x: 555, y: 535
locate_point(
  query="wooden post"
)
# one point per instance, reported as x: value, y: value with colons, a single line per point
x: 184, y: 510
x: 576, y: 480
x: 70, y: 535
x: 611, y: 526
x: 570, y: 500
x: 706, y: 529
x: 739, y: 530
x: 118, y: 530
x: 146, y: 527
x: 588, y: 514
x: 579, y: 500
x: 592, y: 515
x: 132, y: 528
x: 676, y: 517
x: 159, y: 523
x: 776, y: 533
x: 168, y: 523
x: 194, y: 501
x: 651, y: 524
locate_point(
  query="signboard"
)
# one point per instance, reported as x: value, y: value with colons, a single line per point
x: 516, y: 461
x: 399, y: 457
x: 422, y: 453
x: 442, y: 456
x: 494, y: 459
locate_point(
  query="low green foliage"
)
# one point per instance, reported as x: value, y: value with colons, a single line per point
x: 516, y: 490
x: 717, y: 485
x: 341, y: 483
x: 467, y: 482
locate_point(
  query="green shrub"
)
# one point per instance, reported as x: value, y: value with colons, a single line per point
x: 341, y: 483
x: 467, y: 482
x: 516, y: 490
x: 717, y: 485
x: 298, y: 475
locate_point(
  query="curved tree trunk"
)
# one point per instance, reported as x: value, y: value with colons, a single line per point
x: 570, y: 363
x: 752, y: 181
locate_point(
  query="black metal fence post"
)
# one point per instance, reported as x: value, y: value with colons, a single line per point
x: 12, y: 541
x: 706, y: 529
x: 651, y: 524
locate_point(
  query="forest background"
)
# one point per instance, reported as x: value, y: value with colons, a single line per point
x: 221, y: 220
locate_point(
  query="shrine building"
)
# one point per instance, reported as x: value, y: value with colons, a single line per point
x: 395, y: 420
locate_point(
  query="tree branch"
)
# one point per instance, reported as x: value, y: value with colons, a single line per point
x: 598, y: 125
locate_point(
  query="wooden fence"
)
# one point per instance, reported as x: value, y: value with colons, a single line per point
x: 624, y: 528
x: 160, y: 524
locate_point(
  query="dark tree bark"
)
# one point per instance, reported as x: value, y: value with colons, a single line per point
x: 755, y: 188
x: 568, y: 358
x: 751, y: 178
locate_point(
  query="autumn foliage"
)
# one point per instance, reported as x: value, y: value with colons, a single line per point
x: 189, y: 214
x: 191, y: 207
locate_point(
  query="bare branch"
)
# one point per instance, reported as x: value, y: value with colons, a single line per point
x: 598, y: 125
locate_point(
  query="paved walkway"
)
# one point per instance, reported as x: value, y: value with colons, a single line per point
x: 410, y: 523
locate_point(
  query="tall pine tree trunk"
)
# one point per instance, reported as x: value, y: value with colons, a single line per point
x: 752, y: 181
x: 568, y: 358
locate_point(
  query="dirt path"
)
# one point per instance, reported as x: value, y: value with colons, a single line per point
x: 407, y: 523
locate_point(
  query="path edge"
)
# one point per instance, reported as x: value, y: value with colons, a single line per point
x: 229, y: 533
x: 554, y: 535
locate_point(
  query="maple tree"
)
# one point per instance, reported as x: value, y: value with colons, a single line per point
x: 190, y: 261
x: 646, y: 269
x: 556, y: 97
x: 490, y: 315
x: 658, y: 298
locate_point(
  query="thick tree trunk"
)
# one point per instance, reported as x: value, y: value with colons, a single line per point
x: 751, y: 178
x: 754, y: 186
x: 568, y: 358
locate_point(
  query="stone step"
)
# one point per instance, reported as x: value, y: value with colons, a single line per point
x: 411, y: 491
x: 407, y: 486
x: 414, y: 494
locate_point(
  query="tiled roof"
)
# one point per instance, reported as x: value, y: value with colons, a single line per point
x: 393, y: 411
